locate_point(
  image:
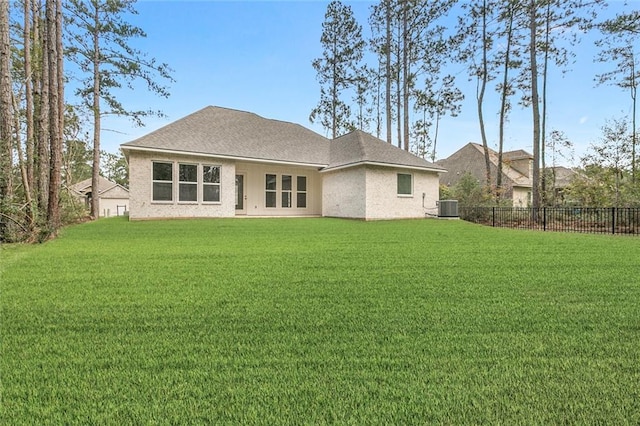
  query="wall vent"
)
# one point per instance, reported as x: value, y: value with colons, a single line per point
x: 448, y: 208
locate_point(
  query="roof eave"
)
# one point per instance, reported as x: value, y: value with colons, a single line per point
x: 383, y: 164
x: 222, y: 156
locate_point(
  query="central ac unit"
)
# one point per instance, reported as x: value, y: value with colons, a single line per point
x: 448, y: 208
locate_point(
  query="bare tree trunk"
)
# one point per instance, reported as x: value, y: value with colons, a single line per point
x: 95, y: 178
x: 30, y: 215
x: 535, y: 107
x: 503, y: 99
x: 480, y: 97
x: 28, y: 88
x: 405, y: 74
x: 543, y: 129
x: 398, y: 88
x: 53, y: 19
x: 634, y: 130
x: 6, y: 110
x: 389, y: 107
x: 42, y: 175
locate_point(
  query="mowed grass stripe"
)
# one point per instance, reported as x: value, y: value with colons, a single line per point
x: 280, y: 321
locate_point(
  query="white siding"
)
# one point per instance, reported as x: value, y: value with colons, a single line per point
x: 113, y: 206
x: 114, y: 202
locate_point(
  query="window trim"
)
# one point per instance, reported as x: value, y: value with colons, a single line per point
x: 284, y: 191
x: 402, y: 194
x: 270, y: 191
x: 154, y: 181
x: 191, y: 183
x: 219, y: 184
x: 305, y: 192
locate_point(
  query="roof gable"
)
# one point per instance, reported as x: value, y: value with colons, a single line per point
x: 470, y: 158
x: 231, y: 133
x: 84, y: 186
x: 358, y: 147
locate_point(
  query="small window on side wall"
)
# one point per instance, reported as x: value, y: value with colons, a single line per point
x: 162, y: 181
x: 405, y: 184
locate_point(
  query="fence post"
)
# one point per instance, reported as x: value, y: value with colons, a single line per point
x: 613, y: 220
x: 544, y: 218
x: 493, y: 217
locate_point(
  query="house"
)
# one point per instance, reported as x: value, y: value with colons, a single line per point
x: 517, y: 170
x: 559, y: 179
x: 220, y: 162
x: 113, y: 198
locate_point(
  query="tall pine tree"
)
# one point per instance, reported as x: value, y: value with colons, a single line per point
x: 338, y: 68
x: 100, y: 45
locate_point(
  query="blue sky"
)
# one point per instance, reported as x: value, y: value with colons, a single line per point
x: 256, y: 56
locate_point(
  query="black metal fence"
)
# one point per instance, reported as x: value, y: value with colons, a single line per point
x: 595, y: 220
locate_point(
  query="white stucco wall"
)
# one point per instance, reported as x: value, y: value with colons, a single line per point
x: 140, y: 189
x: 371, y: 193
x: 344, y: 193
x: 383, y: 201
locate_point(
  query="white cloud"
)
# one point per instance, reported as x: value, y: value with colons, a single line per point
x: 584, y: 119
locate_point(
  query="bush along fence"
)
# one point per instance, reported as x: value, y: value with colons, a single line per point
x: 595, y: 220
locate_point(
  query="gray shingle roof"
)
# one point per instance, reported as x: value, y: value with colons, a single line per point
x: 243, y: 135
x: 470, y: 158
x: 84, y: 186
x: 359, y: 147
x: 238, y: 134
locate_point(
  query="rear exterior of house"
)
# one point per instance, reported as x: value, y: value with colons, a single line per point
x: 219, y: 162
x: 167, y: 185
x: 371, y: 179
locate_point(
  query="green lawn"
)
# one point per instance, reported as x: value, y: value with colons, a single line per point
x: 291, y: 321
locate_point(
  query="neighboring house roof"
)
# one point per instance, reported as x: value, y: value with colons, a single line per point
x: 104, y: 186
x: 470, y: 158
x: 229, y: 133
x: 563, y: 176
x: 518, y: 154
x: 358, y: 147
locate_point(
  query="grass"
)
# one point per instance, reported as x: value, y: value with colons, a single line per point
x: 319, y: 321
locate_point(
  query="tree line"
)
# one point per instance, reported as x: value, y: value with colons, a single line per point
x: 397, y: 84
x: 42, y: 147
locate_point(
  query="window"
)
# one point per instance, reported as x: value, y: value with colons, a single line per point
x: 162, y: 181
x: 301, y: 192
x: 405, y: 186
x: 188, y: 182
x: 271, y: 187
x: 211, y: 184
x: 286, y: 191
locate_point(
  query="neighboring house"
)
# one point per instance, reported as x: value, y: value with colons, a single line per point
x: 219, y: 162
x: 560, y: 178
x: 517, y: 169
x: 113, y: 198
